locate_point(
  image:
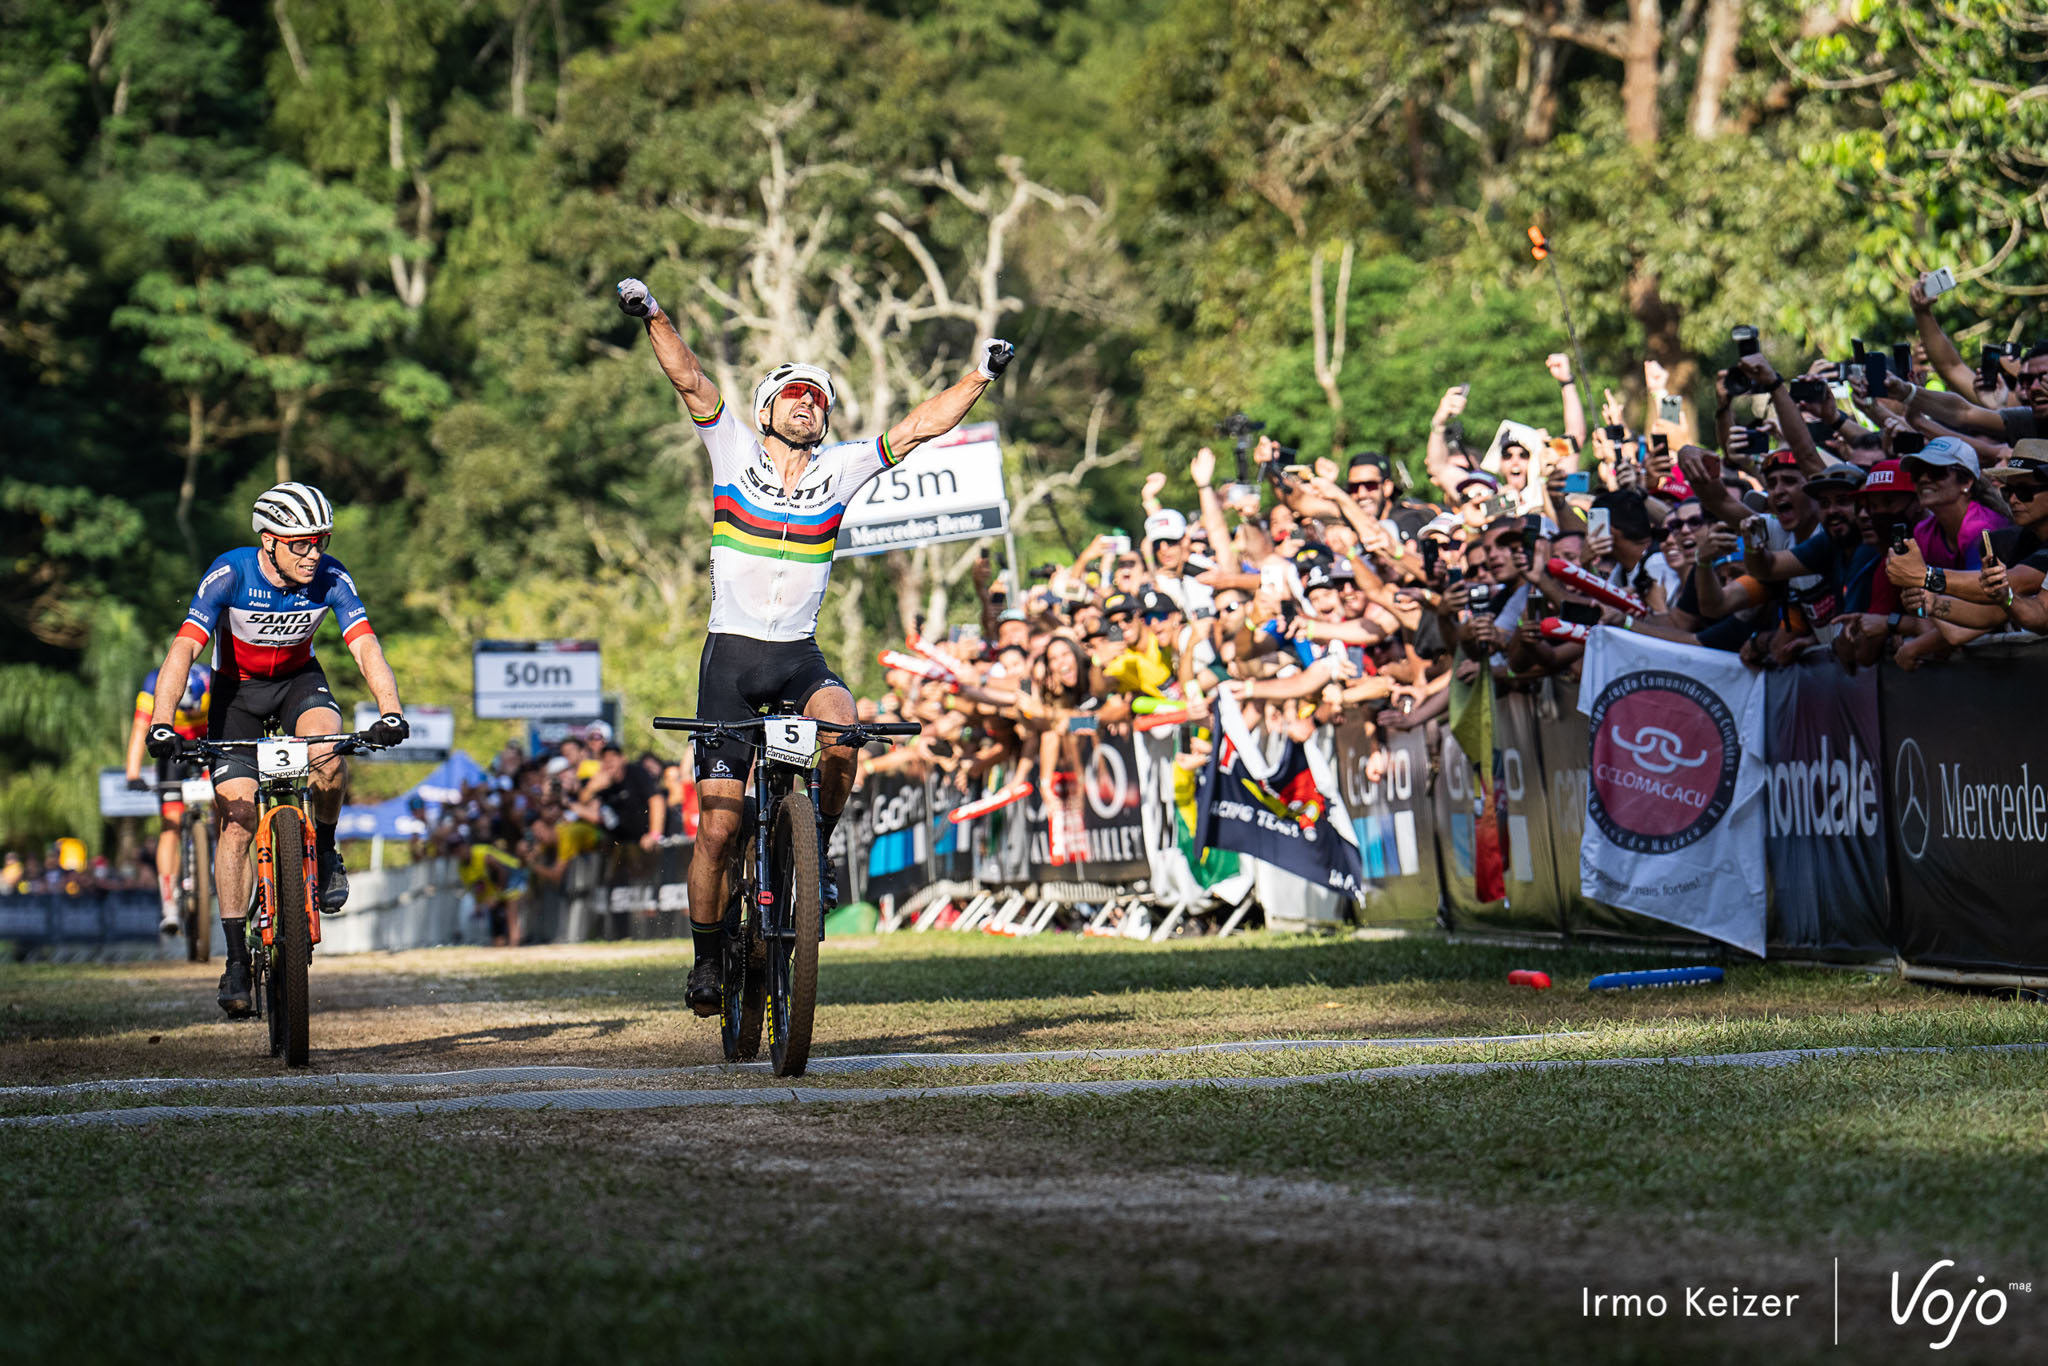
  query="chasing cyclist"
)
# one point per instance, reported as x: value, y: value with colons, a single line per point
x: 189, y: 721
x: 778, y: 500
x: 259, y: 607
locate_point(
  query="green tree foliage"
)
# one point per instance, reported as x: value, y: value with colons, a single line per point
x: 373, y: 243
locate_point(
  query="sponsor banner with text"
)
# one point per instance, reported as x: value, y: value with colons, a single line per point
x: 1826, y: 842
x: 1966, y: 771
x: 1675, y: 819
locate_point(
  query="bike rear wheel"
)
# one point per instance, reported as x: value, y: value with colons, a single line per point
x: 793, y: 957
x: 197, y: 911
x: 292, y: 946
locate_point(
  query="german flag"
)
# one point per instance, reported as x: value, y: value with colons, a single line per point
x: 739, y: 524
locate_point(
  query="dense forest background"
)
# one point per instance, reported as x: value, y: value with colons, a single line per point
x: 371, y: 244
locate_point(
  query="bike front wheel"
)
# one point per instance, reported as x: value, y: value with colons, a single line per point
x: 198, y: 880
x: 292, y: 949
x: 793, y: 948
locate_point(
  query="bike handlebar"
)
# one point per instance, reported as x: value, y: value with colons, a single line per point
x: 344, y: 743
x: 858, y: 732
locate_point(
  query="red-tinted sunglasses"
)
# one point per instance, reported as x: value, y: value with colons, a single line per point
x: 801, y: 389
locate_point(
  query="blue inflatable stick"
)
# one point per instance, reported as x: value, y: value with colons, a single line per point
x: 1654, y: 977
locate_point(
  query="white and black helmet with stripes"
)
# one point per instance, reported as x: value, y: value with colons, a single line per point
x: 791, y: 372
x: 293, y: 510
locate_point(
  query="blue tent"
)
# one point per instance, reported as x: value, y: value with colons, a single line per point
x: 392, y: 820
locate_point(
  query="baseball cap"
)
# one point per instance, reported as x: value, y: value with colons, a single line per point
x: 1165, y: 525
x: 1317, y: 576
x: 1781, y: 458
x: 1445, y: 525
x: 1365, y: 460
x: 1119, y: 605
x: 1012, y: 614
x: 1342, y: 572
x: 1471, y: 477
x: 1841, y: 475
x: 1948, y: 450
x: 1152, y: 603
x: 1887, y: 476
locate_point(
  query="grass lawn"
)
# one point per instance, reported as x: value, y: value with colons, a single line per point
x: 1446, y: 1218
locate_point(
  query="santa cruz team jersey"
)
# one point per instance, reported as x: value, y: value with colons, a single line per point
x: 269, y: 630
x: 771, y: 551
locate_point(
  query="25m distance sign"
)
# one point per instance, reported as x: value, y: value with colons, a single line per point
x: 520, y: 679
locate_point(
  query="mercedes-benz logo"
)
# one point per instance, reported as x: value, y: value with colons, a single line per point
x: 1909, y: 799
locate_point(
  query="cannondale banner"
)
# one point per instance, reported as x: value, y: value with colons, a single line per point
x: 1967, y: 768
x: 1674, y: 816
x: 1826, y: 844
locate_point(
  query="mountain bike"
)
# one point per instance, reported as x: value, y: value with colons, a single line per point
x: 195, y: 863
x: 283, y: 917
x: 773, y: 919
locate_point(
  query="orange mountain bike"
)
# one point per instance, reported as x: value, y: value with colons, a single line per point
x: 284, y: 915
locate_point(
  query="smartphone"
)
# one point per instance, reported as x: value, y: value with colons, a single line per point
x: 1500, y: 505
x: 1908, y: 443
x: 1119, y: 544
x: 1578, y: 481
x: 1430, y: 553
x: 1579, y: 613
x: 1989, y: 372
x: 1671, y: 408
x: 1902, y: 360
x: 1938, y: 282
x: 1532, y: 531
x: 1238, y: 493
x: 1874, y: 370
x: 1809, y: 389
x: 1599, y: 521
x: 1616, y: 432
x: 1746, y: 343
x: 1453, y: 575
x: 1479, y: 601
x: 1659, y: 444
x: 1856, y: 349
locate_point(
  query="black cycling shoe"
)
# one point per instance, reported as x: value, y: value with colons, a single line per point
x: 235, y: 997
x: 333, y: 880
x: 705, y: 991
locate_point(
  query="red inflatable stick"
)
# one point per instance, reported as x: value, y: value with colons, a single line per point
x: 1523, y: 977
x: 994, y: 801
x: 1159, y: 720
x: 915, y: 664
x: 1553, y: 629
x: 1596, y: 588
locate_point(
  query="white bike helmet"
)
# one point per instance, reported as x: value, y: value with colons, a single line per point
x: 293, y: 510
x: 790, y: 373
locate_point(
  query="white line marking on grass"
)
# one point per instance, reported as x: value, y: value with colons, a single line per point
x: 661, y: 1100
x: 867, y: 1062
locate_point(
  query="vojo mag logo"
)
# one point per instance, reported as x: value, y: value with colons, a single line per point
x: 1910, y: 798
x: 1665, y: 756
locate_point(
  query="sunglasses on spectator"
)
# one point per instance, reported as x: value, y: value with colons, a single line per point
x: 305, y: 545
x: 1366, y: 485
x: 2025, y: 491
x: 1692, y: 523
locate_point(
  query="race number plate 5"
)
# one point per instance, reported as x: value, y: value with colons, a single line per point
x: 792, y: 740
x: 282, y: 758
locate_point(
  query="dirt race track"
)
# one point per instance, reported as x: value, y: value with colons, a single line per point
x: 1073, y: 1184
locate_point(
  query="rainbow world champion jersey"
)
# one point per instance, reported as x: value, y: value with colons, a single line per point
x: 771, y: 551
x: 269, y: 630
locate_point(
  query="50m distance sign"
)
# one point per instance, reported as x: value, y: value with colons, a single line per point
x: 518, y: 679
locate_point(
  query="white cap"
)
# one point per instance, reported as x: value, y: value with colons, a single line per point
x: 1948, y: 450
x: 1165, y: 525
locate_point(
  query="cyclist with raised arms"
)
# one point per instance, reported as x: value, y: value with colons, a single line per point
x: 777, y: 502
x: 189, y: 720
x: 259, y: 606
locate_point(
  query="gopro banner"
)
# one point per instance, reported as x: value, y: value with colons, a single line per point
x: 898, y: 850
x: 1674, y: 810
x: 1968, y: 780
x: 1827, y: 837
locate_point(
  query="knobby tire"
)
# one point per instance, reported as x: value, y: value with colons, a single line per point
x: 793, y: 961
x: 292, y: 949
x: 198, y: 911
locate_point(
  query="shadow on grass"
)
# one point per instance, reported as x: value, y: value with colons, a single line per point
x: 470, y: 1038
x: 1097, y: 968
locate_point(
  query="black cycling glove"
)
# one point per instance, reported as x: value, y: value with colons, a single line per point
x: 389, y: 729
x: 996, y: 355
x: 162, y: 742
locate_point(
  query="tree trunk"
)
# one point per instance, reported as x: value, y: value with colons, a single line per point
x: 294, y: 409
x: 1539, y: 113
x: 1329, y: 340
x: 908, y: 571
x: 522, y: 56
x: 1418, y: 160
x: 195, y: 443
x: 1639, y: 71
x: 1717, y: 66
x: 1660, y: 330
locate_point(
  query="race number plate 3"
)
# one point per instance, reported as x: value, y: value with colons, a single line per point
x: 791, y: 740
x: 283, y: 758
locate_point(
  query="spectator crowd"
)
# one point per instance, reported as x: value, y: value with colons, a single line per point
x: 1886, y: 505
